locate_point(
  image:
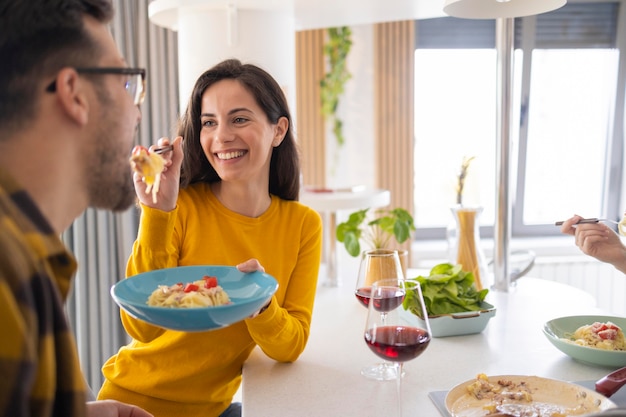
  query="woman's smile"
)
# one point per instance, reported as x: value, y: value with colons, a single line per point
x: 224, y: 156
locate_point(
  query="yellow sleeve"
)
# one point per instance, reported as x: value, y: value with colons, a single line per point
x: 282, y: 331
x: 154, y: 248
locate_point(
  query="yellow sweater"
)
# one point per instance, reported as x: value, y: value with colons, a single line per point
x: 171, y: 373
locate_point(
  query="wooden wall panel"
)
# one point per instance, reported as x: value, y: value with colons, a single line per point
x: 393, y: 51
x: 394, y: 133
x: 310, y: 125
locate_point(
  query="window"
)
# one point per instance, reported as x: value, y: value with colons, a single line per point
x: 568, y: 117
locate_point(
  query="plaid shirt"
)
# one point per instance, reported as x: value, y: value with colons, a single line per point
x: 39, y: 367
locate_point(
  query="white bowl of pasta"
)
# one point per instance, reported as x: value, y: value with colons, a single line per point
x: 194, y: 298
x: 598, y: 344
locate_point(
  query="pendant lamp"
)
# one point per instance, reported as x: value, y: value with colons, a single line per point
x: 493, y: 9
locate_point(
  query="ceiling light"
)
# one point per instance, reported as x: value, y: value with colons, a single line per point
x: 493, y: 9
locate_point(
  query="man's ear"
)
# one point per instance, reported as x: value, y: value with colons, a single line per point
x: 72, y: 95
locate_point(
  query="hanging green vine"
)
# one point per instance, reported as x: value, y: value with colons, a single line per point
x: 336, y: 51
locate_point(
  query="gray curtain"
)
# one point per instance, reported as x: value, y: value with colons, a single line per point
x: 100, y: 240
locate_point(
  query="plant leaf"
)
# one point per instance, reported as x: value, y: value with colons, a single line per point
x: 448, y: 289
x: 352, y: 244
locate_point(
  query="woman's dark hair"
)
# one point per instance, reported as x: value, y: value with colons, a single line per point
x: 38, y: 38
x: 285, y: 160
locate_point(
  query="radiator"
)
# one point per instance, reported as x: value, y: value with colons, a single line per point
x: 604, y: 282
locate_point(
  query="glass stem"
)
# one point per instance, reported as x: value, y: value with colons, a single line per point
x: 388, y: 365
x: 399, y: 388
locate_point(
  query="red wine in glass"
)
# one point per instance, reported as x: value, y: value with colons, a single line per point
x: 363, y: 295
x: 387, y: 299
x: 377, y: 265
x: 397, y: 343
x: 391, y: 332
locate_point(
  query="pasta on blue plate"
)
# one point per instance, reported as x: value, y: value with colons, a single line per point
x: 200, y: 293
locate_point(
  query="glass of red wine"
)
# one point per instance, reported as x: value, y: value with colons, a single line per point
x: 376, y: 265
x: 397, y: 336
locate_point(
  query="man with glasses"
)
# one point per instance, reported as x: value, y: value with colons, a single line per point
x: 135, y: 83
x: 68, y: 115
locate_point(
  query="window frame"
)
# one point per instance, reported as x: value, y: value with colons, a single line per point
x: 613, y: 179
x: 525, y: 41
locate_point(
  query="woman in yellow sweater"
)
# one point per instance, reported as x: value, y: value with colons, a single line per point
x: 228, y: 196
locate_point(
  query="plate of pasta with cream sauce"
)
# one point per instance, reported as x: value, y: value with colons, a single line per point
x: 194, y: 298
x: 522, y: 395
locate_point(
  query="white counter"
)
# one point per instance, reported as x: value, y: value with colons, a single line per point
x: 326, y: 380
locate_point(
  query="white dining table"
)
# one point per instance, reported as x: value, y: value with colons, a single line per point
x: 330, y: 202
x: 326, y: 379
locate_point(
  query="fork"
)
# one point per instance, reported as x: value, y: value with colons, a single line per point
x: 590, y: 220
x: 163, y: 149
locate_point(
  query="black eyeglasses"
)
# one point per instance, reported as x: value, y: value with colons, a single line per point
x: 135, y: 84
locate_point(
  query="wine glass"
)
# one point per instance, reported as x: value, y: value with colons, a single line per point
x: 376, y: 265
x: 397, y: 335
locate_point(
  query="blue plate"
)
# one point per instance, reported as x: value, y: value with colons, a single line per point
x: 248, y: 292
x: 558, y: 329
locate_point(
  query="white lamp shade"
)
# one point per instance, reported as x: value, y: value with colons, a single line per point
x: 493, y: 9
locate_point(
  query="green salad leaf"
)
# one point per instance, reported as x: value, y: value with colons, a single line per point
x: 448, y: 289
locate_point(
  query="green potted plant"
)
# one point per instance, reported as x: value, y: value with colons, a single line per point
x: 377, y: 232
